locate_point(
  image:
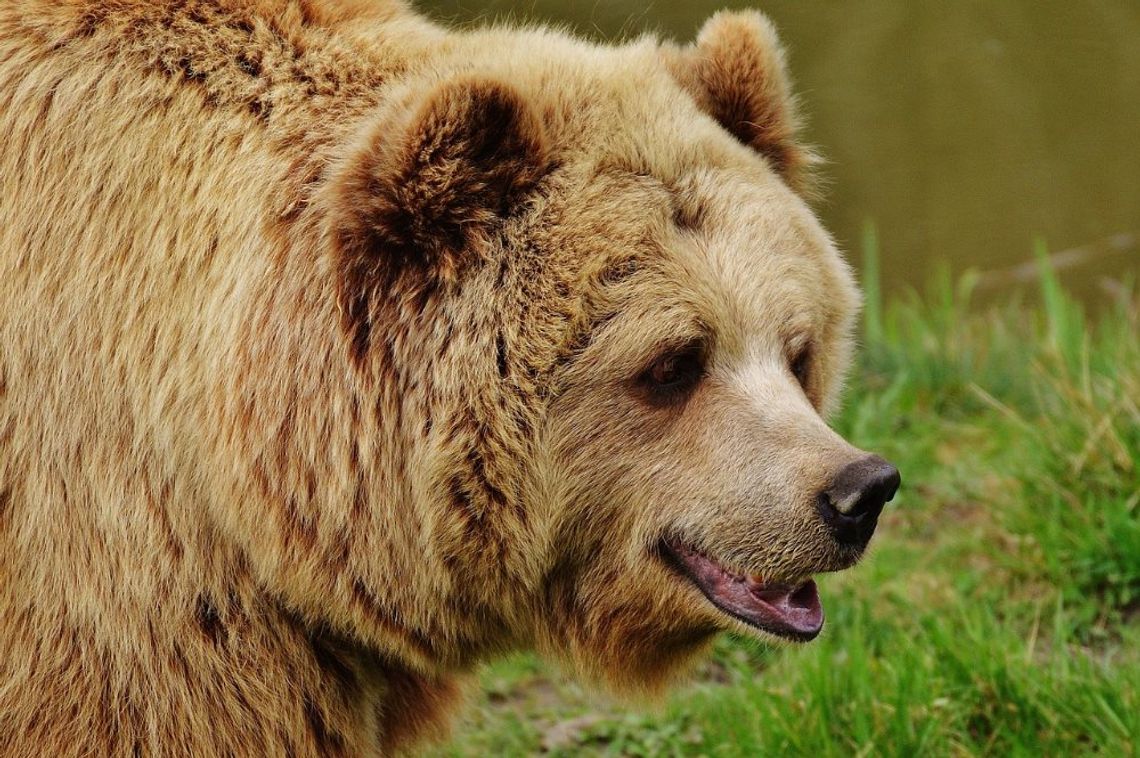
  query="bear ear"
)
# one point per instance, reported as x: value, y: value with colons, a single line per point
x: 735, y: 71
x: 418, y: 196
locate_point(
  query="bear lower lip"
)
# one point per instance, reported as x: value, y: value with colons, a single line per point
x: 788, y: 610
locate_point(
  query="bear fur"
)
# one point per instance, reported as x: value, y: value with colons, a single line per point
x: 324, y: 335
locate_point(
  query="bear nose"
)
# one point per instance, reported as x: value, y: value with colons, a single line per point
x: 852, y: 503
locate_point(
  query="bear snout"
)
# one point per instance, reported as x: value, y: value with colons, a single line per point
x: 851, y: 504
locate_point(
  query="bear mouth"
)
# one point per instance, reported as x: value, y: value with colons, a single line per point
x: 790, y: 610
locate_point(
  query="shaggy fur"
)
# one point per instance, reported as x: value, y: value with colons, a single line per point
x: 320, y: 337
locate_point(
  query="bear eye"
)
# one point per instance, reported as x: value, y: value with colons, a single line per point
x: 674, y: 374
x: 800, y: 365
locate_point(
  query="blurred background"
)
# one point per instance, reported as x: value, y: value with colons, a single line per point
x: 984, y: 179
x: 961, y: 130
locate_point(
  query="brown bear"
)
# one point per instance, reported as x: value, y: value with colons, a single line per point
x: 340, y: 352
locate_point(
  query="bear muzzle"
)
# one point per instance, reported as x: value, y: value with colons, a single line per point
x: 785, y: 606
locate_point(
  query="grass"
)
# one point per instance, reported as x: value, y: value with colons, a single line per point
x: 999, y: 612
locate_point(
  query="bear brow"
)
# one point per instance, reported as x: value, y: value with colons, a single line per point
x: 585, y: 335
x: 688, y: 211
x: 687, y: 215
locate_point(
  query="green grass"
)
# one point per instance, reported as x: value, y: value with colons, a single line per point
x: 999, y: 612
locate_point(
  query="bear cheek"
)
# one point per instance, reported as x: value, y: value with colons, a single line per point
x: 624, y: 621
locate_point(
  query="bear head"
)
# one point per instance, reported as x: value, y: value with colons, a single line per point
x: 591, y: 277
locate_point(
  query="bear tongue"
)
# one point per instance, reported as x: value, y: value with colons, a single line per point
x: 797, y: 606
x: 792, y: 611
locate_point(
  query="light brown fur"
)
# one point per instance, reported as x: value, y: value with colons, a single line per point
x: 318, y: 333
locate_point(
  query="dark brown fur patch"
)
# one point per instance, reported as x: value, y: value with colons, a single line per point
x: 413, y: 207
x: 424, y: 703
x: 688, y: 212
x: 327, y: 741
x: 209, y: 621
x: 249, y: 63
x: 501, y: 355
x: 333, y: 665
x: 477, y: 461
x: 461, y: 500
x: 375, y: 610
